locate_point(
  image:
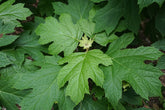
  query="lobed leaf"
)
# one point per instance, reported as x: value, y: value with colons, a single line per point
x: 58, y: 33
x: 10, y: 13
x: 82, y: 66
x: 45, y: 89
x: 128, y: 65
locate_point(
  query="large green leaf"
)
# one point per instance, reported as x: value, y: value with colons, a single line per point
x: 82, y: 66
x: 108, y: 17
x: 10, y: 13
x: 160, y: 20
x: 64, y: 34
x: 145, y: 3
x: 45, y: 89
x: 76, y: 8
x: 128, y: 65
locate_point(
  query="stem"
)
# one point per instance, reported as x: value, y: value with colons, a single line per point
x: 87, y: 50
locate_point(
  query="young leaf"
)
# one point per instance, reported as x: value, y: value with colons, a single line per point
x: 45, y: 89
x: 10, y: 13
x: 128, y: 65
x: 108, y: 17
x: 85, y: 42
x: 145, y: 3
x: 78, y: 9
x: 82, y: 66
x: 64, y: 34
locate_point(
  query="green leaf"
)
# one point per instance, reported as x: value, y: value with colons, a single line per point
x: 121, y: 43
x: 9, y: 97
x: 103, y: 39
x: 132, y: 98
x: 45, y: 89
x: 10, y: 13
x: 128, y: 65
x: 131, y: 15
x: 45, y: 7
x: 89, y: 104
x: 64, y: 34
x: 5, y: 29
x: 108, y: 17
x: 29, y: 45
x: 4, y: 60
x: 87, y: 27
x: 98, y: 92
x: 31, y: 26
x: 15, y: 56
x: 7, y: 39
x: 159, y: 44
x: 145, y: 3
x: 161, y: 62
x: 142, y: 109
x: 82, y: 66
x: 78, y: 9
x: 160, y: 21
x: 122, y: 26
x: 97, y: 1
